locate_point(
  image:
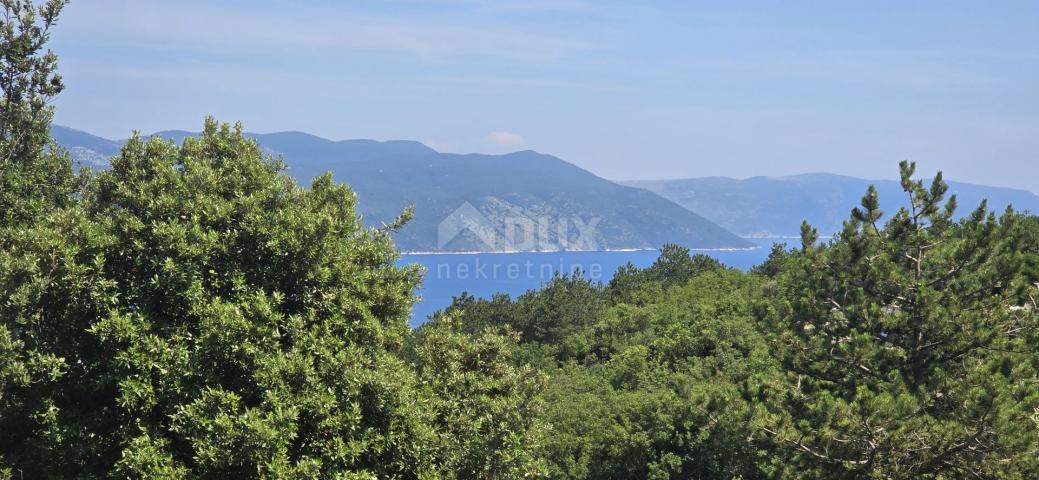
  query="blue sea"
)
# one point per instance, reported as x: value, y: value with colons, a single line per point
x: 484, y: 274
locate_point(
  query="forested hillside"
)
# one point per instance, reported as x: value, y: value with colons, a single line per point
x: 521, y: 188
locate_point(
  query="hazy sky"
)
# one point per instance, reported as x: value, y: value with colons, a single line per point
x: 626, y: 89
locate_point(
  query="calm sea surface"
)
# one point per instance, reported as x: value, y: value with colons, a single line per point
x: 484, y: 274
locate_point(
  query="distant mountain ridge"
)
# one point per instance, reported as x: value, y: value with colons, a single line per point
x: 519, y: 201
x: 775, y: 206
x: 84, y: 147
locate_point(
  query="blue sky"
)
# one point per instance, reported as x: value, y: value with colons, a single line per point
x: 628, y: 90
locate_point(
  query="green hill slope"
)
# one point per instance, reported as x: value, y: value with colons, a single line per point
x: 520, y: 201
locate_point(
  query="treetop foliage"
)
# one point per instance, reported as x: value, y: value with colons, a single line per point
x: 34, y: 174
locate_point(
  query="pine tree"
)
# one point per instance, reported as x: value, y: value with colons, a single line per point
x: 35, y: 175
x: 904, y: 346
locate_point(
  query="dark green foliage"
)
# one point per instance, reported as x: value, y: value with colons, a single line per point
x: 675, y: 266
x: 671, y: 386
x: 216, y: 307
x: 906, y: 346
x: 677, y: 396
x: 1029, y: 231
x: 775, y: 263
x: 565, y: 305
x: 809, y: 236
x: 546, y: 320
x: 487, y: 410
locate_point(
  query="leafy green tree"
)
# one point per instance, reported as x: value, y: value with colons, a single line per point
x: 775, y: 263
x: 35, y: 175
x: 487, y: 407
x: 626, y: 281
x: 34, y: 179
x: 201, y: 314
x: 198, y: 315
x: 907, y: 352
x: 681, y: 393
x: 477, y: 315
x: 548, y: 320
x: 675, y: 266
x: 565, y: 305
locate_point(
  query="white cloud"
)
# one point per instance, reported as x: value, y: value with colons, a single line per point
x: 208, y: 28
x: 506, y: 138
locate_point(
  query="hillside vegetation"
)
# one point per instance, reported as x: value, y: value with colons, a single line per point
x: 555, y: 201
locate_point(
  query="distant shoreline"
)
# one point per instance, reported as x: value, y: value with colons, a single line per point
x: 611, y: 250
x: 782, y: 237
